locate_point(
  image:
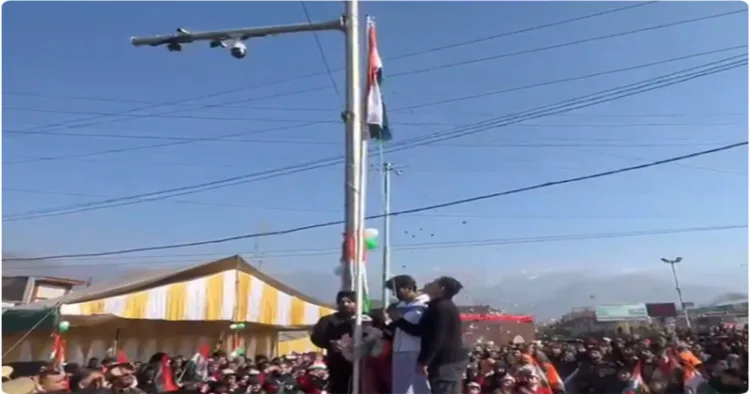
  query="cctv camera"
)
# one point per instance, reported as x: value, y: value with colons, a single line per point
x: 174, y: 47
x: 238, y: 49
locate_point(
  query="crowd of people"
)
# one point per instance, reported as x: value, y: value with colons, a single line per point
x: 219, y: 373
x: 415, y: 346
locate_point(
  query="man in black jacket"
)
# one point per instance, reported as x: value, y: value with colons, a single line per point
x: 442, y: 356
x: 326, y: 335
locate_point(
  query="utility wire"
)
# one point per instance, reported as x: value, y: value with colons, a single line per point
x: 423, y: 70
x: 409, y: 246
x: 398, y: 213
x: 582, y: 102
x: 322, y: 54
x: 521, y: 31
x: 560, y: 107
x: 153, y: 260
x: 310, y: 121
x: 255, y: 132
x: 289, y: 79
x: 567, y: 44
x: 571, y: 79
x: 295, y: 141
x: 513, y: 118
x: 177, y: 192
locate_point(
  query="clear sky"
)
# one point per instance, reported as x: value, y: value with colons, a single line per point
x: 67, y: 61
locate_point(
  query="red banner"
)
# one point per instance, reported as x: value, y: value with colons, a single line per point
x: 664, y: 309
x: 491, y: 317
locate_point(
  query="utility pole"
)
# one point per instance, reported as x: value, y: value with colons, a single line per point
x: 672, y: 264
x: 388, y: 168
x: 257, y: 256
x: 352, y: 115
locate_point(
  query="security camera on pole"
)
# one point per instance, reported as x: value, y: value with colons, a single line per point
x: 235, y: 40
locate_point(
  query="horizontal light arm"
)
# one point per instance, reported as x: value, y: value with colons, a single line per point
x: 241, y: 34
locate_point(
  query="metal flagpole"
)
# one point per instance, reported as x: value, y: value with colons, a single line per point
x: 355, y: 179
x: 353, y: 117
x: 360, y: 271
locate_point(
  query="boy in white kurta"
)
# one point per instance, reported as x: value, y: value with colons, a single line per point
x: 405, y: 378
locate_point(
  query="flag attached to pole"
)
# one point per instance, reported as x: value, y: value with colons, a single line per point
x: 377, y: 120
x: 366, y: 305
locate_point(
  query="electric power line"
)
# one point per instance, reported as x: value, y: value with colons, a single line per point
x: 151, y: 260
x: 584, y: 101
x: 334, y: 85
x: 317, y: 74
x: 306, y: 122
x: 397, y: 213
x: 504, y: 144
x: 294, y: 252
x: 397, y: 75
x: 560, y: 107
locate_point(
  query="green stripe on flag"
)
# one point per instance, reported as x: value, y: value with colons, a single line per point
x: 366, y: 305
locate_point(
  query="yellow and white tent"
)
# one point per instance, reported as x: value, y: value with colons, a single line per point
x: 174, y: 311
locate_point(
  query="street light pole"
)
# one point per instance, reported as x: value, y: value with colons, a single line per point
x: 388, y: 168
x: 672, y: 264
x: 349, y: 25
x: 351, y: 278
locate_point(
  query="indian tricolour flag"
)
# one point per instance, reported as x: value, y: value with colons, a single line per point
x: 377, y: 119
x: 636, y: 385
x: 350, y: 253
x: 57, y: 355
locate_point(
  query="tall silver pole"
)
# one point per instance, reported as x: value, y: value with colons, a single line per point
x: 354, y: 186
x: 387, y: 168
x: 672, y: 264
x: 353, y: 117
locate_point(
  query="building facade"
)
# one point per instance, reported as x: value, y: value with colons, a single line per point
x: 19, y: 290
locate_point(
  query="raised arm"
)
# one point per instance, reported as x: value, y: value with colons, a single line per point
x: 415, y: 329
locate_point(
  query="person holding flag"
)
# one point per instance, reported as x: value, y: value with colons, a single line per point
x: 327, y: 334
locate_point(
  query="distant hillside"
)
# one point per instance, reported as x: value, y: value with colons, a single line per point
x: 545, y: 295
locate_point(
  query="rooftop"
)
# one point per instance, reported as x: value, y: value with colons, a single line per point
x: 53, y: 279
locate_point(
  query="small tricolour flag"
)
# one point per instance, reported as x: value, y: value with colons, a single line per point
x: 377, y: 119
x: 636, y: 385
x: 57, y: 355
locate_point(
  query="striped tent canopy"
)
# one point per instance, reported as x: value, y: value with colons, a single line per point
x: 226, y: 290
x: 175, y: 311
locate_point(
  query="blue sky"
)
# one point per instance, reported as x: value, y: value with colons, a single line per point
x: 84, y: 52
